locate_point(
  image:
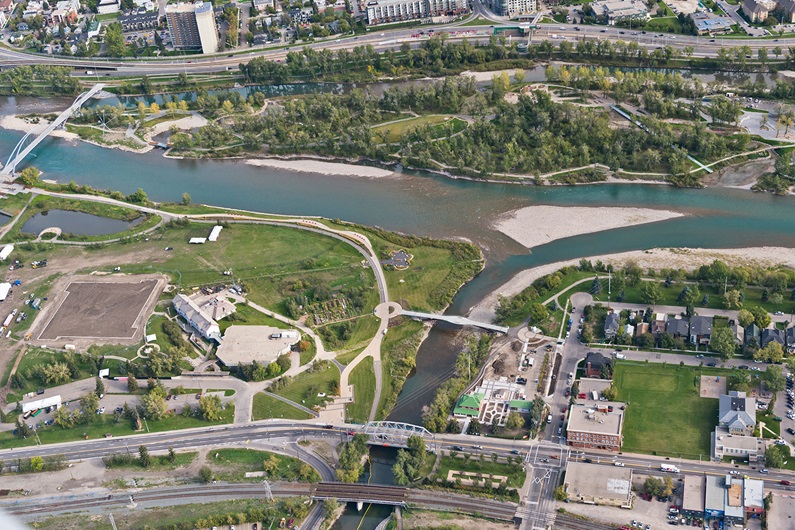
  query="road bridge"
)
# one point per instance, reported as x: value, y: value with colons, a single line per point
x: 393, y: 433
x: 20, y: 152
x: 452, y: 319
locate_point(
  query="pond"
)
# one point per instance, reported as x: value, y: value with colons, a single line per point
x: 78, y: 223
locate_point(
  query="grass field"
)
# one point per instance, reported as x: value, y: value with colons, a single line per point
x: 232, y: 464
x: 36, y: 357
x: 516, y: 475
x: 477, y: 21
x: 397, y: 129
x: 363, y: 381
x: 364, y: 328
x: 12, y: 204
x: 160, y: 462
x: 104, y: 424
x: 398, y: 351
x: 245, y: 315
x: 305, y: 387
x: 665, y: 414
x: 265, y: 407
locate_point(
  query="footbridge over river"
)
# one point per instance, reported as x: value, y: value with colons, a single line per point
x: 452, y: 319
x: 21, y: 151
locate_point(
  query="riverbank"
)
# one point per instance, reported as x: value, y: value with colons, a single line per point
x: 657, y: 258
x: 533, y: 226
x: 320, y: 167
x: 15, y: 123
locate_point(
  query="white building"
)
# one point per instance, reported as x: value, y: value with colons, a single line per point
x: 621, y: 10
x: 5, y: 288
x: 108, y: 6
x: 196, y: 318
x: 7, y: 250
x: 384, y: 11
x: 511, y: 8
x: 214, y: 233
x: 54, y: 401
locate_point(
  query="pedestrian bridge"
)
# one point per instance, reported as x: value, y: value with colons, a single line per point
x: 20, y: 151
x: 452, y: 319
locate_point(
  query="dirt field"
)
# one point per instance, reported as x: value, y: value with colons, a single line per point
x: 115, y: 307
x: 711, y: 388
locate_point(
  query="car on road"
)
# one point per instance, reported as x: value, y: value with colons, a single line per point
x: 785, y: 482
x: 791, y: 431
x: 619, y: 464
x: 778, y: 312
x: 477, y: 446
x: 734, y: 472
x: 514, y: 451
x: 764, y: 471
x: 587, y: 460
x: 711, y: 364
x: 457, y: 448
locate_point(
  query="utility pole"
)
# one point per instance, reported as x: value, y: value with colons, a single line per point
x: 112, y: 522
x: 268, y: 492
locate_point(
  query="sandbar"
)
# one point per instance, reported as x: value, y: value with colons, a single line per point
x: 656, y: 258
x: 14, y: 123
x: 322, y: 168
x: 536, y: 225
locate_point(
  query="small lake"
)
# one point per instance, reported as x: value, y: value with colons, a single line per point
x: 78, y: 223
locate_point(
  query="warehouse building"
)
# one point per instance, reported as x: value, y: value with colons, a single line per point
x: 602, y: 485
x: 263, y: 344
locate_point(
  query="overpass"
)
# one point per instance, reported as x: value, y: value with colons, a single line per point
x: 20, y: 152
x: 452, y: 319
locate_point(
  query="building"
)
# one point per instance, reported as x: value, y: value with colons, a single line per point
x: 700, y: 330
x: 789, y: 335
x: 752, y: 335
x: 192, y: 26
x: 65, y: 12
x: 494, y: 398
x: 437, y: 8
x: 196, y: 318
x: 512, y: 8
x: 709, y: 24
x: 714, y: 498
x: 678, y: 327
x: 92, y: 29
x: 263, y: 344
x: 262, y: 5
x: 658, y: 324
x: 214, y: 233
x: 611, y: 325
x: 757, y: 11
x: 733, y: 513
x: 738, y: 330
x: 772, y: 335
x: 597, y: 365
x: 788, y: 7
x: 693, y: 496
x: 737, y: 413
x: 52, y: 401
x: 7, y: 250
x: 382, y: 11
x: 5, y: 290
x: 468, y: 405
x: 7, y: 6
x: 621, y: 10
x: 138, y: 22
x: 596, y: 426
x: 602, y: 485
x: 725, y: 444
x: 753, y: 497
x: 108, y: 6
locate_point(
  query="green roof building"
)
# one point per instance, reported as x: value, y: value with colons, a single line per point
x: 521, y: 405
x: 468, y: 405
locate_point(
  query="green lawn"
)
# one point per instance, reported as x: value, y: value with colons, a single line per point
x: 232, y: 464
x: 265, y: 407
x: 397, y: 129
x: 104, y: 424
x: 398, y: 353
x: 159, y: 462
x: 664, y: 9
x: 248, y: 316
x: 12, y: 204
x: 155, y: 326
x: 305, y: 387
x: 516, y: 475
x: 665, y: 24
x: 107, y: 17
x: 363, y: 381
x: 665, y: 414
x: 477, y: 21
x: 364, y: 328
x: 36, y: 357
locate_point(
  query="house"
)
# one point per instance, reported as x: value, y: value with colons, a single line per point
x: 92, y: 30
x: 752, y: 335
x: 737, y: 413
x: 789, y: 336
x: 772, y: 335
x: 641, y: 328
x: 611, y: 325
x: 700, y: 330
x: 757, y: 11
x: 597, y: 364
x: 678, y: 327
x: 658, y: 324
x: 788, y: 8
x: 139, y: 22
x: 196, y: 318
x: 738, y: 330
x: 468, y: 405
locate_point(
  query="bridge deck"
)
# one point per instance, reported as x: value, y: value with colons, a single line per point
x: 8, y: 171
x: 452, y: 319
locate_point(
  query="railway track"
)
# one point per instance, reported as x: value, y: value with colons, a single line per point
x: 564, y: 521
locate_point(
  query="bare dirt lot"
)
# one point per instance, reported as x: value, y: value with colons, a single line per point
x: 712, y: 387
x: 107, y: 308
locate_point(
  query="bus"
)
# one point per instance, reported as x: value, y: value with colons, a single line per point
x: 36, y: 413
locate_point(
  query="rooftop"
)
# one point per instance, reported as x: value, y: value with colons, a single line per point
x: 584, y: 418
x: 693, y: 493
x: 589, y: 481
x: 245, y: 344
x: 714, y: 498
x: 754, y: 493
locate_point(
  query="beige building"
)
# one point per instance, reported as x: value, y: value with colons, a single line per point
x: 757, y: 11
x: 602, y: 485
x: 192, y: 26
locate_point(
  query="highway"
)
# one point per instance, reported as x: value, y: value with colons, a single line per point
x: 384, y: 39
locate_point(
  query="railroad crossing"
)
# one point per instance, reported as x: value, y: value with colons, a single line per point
x: 20, y: 151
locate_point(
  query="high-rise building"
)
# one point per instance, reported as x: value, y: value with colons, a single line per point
x: 381, y: 11
x: 511, y: 8
x: 192, y: 26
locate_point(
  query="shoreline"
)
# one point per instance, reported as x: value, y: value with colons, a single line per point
x: 321, y: 167
x: 685, y: 258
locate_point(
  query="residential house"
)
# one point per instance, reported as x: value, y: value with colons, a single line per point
x: 597, y: 364
x: 468, y: 405
x: 641, y: 328
x: 789, y: 336
x: 737, y: 413
x: 700, y: 330
x: 738, y: 330
x: 752, y: 335
x: 611, y: 325
x: 772, y: 335
x: 92, y: 30
x: 65, y: 12
x: 678, y: 327
x: 658, y: 324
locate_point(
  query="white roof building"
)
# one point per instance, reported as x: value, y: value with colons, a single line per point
x: 54, y: 401
x: 7, y: 250
x: 5, y: 288
x: 215, y: 232
x: 197, y: 318
x: 197, y: 240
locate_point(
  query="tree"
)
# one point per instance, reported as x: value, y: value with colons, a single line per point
x: 745, y: 318
x: 88, y: 407
x: 538, y: 313
x: 172, y: 456
x: 143, y: 456
x: 774, y: 379
x: 29, y: 176
x: 653, y: 486
x: 668, y: 487
x: 99, y: 388
x: 410, y: 462
x: 761, y: 316
x: 773, y: 457
x: 205, y: 474
x: 36, y: 463
x: 732, y: 299
x: 63, y: 418
x: 210, y: 406
x: 610, y: 393
x: 723, y: 342
x: 772, y: 353
x: 22, y: 430
x: 132, y: 384
x: 560, y: 493
x: 154, y: 405
x: 650, y: 292
x: 270, y: 465
x: 185, y: 199
x: 515, y: 421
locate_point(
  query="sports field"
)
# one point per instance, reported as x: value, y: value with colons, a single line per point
x: 664, y: 413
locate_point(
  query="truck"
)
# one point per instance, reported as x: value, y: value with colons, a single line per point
x: 669, y: 468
